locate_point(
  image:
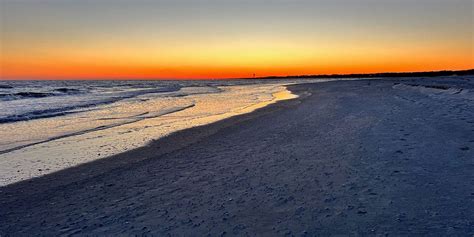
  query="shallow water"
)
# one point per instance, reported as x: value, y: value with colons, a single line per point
x: 85, y: 121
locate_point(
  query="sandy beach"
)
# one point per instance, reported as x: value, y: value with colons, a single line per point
x: 365, y: 157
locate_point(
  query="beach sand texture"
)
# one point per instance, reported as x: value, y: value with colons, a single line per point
x: 381, y: 157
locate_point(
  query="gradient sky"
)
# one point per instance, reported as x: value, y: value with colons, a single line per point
x: 79, y: 39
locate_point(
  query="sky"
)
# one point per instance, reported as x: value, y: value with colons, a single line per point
x: 192, y: 39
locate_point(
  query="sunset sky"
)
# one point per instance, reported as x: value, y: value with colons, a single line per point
x: 143, y: 39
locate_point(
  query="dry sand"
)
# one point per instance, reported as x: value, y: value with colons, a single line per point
x: 378, y: 157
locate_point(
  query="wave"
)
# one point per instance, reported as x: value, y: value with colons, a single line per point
x: 33, y: 94
x: 61, y: 109
x: 68, y: 90
x: 46, y: 113
x: 21, y: 95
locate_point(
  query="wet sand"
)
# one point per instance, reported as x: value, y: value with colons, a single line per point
x: 369, y: 157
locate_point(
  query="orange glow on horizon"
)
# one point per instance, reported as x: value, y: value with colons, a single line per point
x: 64, y: 70
x: 225, y: 63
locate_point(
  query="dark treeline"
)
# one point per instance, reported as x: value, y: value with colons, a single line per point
x: 385, y: 74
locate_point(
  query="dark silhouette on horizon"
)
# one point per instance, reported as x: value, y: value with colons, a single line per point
x: 382, y: 74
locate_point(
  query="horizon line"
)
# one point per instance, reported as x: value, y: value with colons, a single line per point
x: 469, y: 71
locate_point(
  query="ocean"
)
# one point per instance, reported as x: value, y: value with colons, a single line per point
x: 47, y: 126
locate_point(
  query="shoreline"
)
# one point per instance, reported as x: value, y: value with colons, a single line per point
x: 156, y: 148
x: 72, y: 148
x: 346, y: 157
